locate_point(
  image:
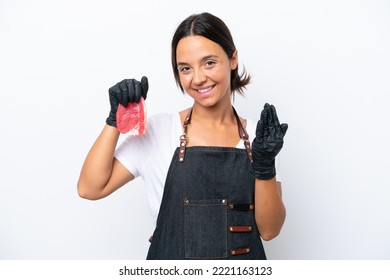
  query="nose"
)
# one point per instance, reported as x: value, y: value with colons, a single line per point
x: 199, y: 76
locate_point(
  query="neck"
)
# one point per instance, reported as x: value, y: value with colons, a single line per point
x: 215, y: 115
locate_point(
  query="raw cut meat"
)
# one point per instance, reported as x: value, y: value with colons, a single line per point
x: 132, y: 118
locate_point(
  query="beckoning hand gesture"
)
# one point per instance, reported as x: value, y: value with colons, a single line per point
x: 267, y: 144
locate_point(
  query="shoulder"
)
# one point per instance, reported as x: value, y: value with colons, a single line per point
x: 135, y: 152
x: 163, y: 122
x: 164, y: 117
x: 164, y: 130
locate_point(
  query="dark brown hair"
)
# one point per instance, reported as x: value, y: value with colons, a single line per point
x: 214, y: 29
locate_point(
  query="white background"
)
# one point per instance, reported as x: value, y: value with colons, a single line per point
x: 323, y: 64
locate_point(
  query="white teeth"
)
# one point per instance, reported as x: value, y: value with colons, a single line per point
x: 204, y: 90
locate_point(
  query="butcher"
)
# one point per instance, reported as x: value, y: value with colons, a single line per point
x: 210, y: 174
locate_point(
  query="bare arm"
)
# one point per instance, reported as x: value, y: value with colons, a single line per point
x: 101, y: 173
x: 270, y: 212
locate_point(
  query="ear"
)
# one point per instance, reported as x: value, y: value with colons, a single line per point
x: 234, y: 60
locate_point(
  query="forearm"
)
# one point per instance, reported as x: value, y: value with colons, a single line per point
x: 97, y: 167
x: 270, y: 212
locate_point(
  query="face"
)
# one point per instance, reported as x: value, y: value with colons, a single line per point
x: 204, y: 70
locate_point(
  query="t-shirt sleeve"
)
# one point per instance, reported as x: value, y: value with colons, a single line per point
x: 134, y: 152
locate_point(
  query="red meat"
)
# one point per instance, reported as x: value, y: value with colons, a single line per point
x: 132, y: 118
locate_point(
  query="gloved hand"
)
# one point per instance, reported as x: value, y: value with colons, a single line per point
x: 128, y: 90
x: 267, y: 144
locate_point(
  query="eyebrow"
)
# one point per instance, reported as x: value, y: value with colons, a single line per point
x: 202, y: 59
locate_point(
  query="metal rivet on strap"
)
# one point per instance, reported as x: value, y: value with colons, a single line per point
x: 239, y: 251
x: 240, y: 228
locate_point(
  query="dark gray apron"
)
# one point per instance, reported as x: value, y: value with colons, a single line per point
x: 207, y: 209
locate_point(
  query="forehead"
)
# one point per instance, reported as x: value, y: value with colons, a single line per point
x: 196, y: 47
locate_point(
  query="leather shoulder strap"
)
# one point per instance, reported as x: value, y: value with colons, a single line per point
x: 241, y: 132
x: 244, y: 136
x: 183, y: 137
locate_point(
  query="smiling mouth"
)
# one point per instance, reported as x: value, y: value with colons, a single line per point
x: 205, y: 90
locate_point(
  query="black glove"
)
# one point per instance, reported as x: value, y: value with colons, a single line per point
x: 129, y: 90
x: 267, y: 144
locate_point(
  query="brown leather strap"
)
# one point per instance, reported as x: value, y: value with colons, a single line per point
x: 244, y: 136
x: 240, y: 251
x: 241, y: 132
x: 240, y: 228
x: 183, y: 137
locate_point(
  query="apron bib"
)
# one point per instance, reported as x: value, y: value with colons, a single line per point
x: 207, y: 208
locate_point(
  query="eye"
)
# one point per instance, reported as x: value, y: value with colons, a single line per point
x: 184, y: 69
x: 210, y: 63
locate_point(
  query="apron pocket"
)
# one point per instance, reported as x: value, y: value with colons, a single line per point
x: 205, y: 228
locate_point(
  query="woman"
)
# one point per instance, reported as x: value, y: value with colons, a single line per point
x: 217, y: 193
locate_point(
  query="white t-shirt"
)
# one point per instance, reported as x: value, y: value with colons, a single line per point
x: 150, y: 155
